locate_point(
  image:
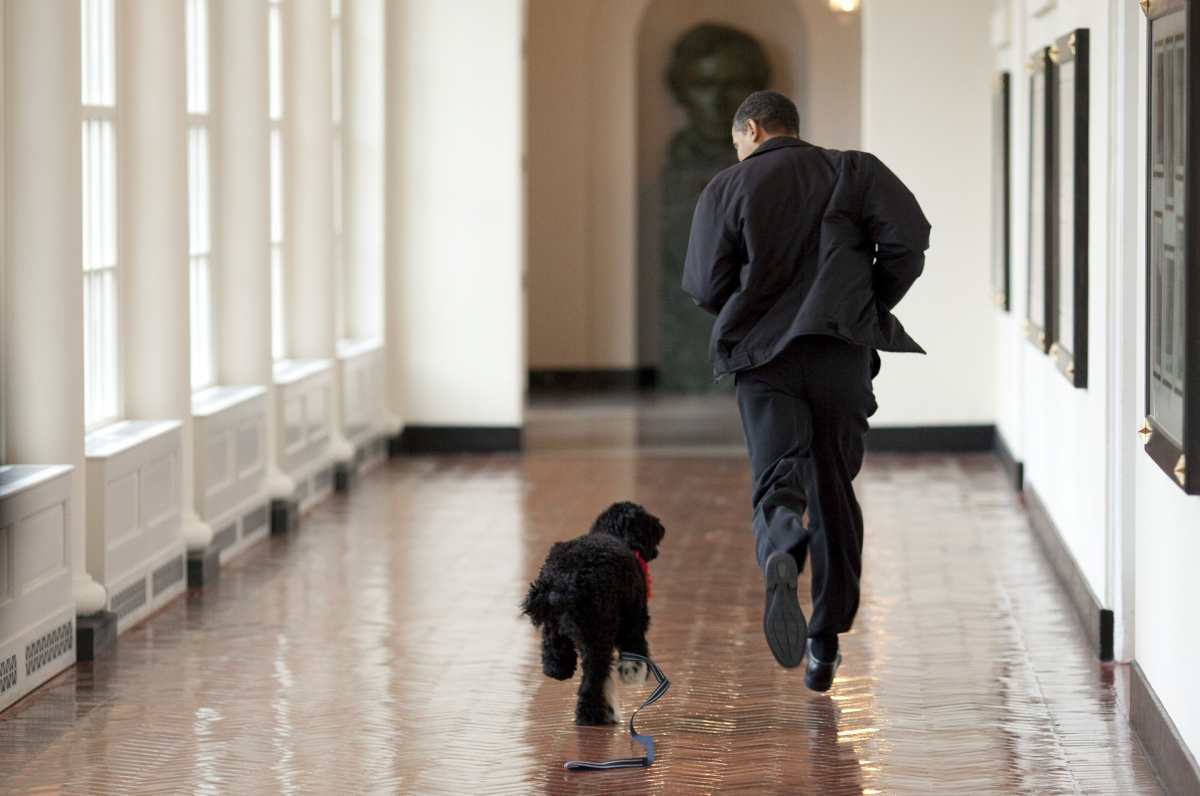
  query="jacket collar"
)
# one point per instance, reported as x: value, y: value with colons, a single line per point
x: 778, y: 142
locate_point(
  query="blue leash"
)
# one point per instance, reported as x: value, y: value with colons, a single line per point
x: 646, y: 741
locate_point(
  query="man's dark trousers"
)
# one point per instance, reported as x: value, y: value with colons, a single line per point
x: 805, y: 418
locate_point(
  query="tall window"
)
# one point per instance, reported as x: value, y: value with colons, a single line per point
x: 339, y: 276
x: 199, y: 193
x: 275, y: 100
x: 99, y: 100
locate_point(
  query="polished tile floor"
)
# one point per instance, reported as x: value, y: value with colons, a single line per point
x: 379, y: 649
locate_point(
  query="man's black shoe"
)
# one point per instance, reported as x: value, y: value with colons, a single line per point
x: 819, y: 674
x: 783, y: 621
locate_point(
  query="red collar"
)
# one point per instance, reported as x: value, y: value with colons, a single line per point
x: 645, y: 571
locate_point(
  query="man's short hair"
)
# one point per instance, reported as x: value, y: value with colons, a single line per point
x: 772, y: 111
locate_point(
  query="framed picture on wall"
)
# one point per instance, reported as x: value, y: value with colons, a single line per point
x: 1069, y: 258
x: 1001, y: 193
x: 1171, y: 431
x: 1039, y: 316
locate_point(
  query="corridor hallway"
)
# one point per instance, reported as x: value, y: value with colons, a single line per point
x: 379, y: 648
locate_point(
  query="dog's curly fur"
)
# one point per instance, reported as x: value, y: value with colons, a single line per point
x: 590, y: 597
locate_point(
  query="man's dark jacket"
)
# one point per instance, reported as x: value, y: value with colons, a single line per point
x: 799, y: 240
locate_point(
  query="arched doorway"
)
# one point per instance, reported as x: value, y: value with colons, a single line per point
x: 598, y: 119
x: 813, y: 57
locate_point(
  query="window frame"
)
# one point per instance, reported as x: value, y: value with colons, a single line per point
x: 1039, y: 66
x: 1172, y: 457
x: 201, y: 120
x: 337, y: 102
x: 1071, y: 360
x: 278, y: 171
x: 103, y: 114
x: 1002, y: 191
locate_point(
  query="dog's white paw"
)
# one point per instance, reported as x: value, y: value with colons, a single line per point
x: 612, y: 700
x: 632, y: 672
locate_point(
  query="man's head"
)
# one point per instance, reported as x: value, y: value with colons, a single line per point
x: 763, y: 115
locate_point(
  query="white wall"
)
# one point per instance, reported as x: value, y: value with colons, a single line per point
x: 559, y: 135
x: 1134, y: 533
x: 1064, y: 444
x: 1166, y: 644
x: 4, y: 333
x: 926, y: 114
x: 1167, y: 526
x: 1008, y: 37
x: 365, y: 166
x: 456, y: 217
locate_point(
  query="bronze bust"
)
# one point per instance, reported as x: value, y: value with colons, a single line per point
x: 712, y: 69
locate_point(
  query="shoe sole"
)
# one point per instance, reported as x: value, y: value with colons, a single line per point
x: 783, y: 621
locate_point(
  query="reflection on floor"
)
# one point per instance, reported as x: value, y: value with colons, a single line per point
x: 650, y: 421
x: 379, y: 650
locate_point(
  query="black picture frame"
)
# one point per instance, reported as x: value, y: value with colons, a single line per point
x: 1171, y: 431
x: 1002, y: 191
x: 1039, y: 315
x: 1069, y: 257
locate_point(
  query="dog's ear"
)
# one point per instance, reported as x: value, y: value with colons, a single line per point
x: 652, y: 532
x: 616, y: 520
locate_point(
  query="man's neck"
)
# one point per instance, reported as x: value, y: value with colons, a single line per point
x: 772, y: 137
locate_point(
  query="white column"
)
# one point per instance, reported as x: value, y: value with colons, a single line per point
x: 308, y: 200
x: 44, y: 255
x: 395, y: 100
x: 242, y: 244
x: 1121, y: 339
x: 365, y: 169
x: 154, y: 229
x: 364, y: 164
x: 456, y: 215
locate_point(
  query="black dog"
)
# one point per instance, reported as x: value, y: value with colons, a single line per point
x: 591, y: 595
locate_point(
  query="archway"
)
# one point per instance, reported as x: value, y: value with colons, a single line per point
x: 589, y: 163
x: 814, y: 58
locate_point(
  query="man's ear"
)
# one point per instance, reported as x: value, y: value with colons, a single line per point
x: 754, y: 129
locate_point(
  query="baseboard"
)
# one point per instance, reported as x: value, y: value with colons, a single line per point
x: 459, y: 439
x: 1096, y: 619
x: 1014, y: 468
x: 931, y: 439
x: 1174, y: 764
x: 577, y: 380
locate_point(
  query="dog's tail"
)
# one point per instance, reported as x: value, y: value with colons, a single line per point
x: 539, y: 603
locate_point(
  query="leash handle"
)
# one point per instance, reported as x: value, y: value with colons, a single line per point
x: 646, y: 741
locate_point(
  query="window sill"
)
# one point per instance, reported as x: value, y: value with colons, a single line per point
x: 291, y: 371
x: 18, y: 478
x: 351, y: 348
x: 214, y: 400
x: 125, y: 435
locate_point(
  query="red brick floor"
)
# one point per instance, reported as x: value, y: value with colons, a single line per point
x: 379, y: 650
